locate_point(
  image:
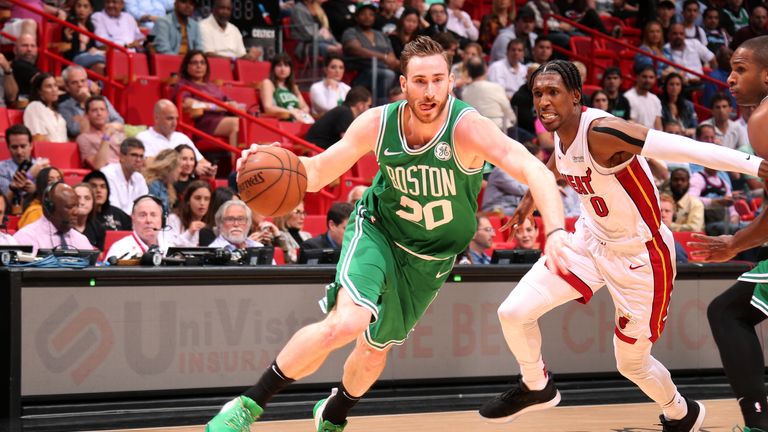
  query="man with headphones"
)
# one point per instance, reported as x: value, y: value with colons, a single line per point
x: 54, y: 229
x: 149, y: 221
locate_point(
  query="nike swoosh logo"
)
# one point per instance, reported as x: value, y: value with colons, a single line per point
x: 749, y: 156
x: 389, y: 153
x: 441, y: 274
x: 634, y: 267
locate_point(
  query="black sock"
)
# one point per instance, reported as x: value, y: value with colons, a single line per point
x: 755, y: 412
x: 338, y: 406
x: 271, y: 382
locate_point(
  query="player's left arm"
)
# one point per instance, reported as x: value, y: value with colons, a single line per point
x: 617, y: 135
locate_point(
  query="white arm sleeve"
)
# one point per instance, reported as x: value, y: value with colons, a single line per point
x: 676, y: 148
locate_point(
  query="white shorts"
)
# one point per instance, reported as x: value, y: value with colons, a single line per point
x: 639, y: 277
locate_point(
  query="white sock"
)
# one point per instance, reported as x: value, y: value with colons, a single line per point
x: 676, y: 408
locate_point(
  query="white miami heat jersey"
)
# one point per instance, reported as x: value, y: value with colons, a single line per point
x: 618, y: 204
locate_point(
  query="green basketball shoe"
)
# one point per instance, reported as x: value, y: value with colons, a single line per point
x: 235, y: 416
x: 324, y: 425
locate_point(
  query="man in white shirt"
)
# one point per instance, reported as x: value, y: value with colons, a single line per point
x: 486, y: 96
x: 148, y: 222
x: 163, y: 135
x: 222, y: 39
x: 460, y: 22
x: 644, y: 106
x: 124, y: 177
x: 689, y: 53
x: 510, y: 72
x: 729, y: 133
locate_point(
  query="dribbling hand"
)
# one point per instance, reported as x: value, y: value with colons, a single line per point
x: 711, y: 249
x: 250, y: 150
x: 554, y: 249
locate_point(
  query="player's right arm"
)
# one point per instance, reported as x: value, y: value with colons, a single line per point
x: 526, y: 206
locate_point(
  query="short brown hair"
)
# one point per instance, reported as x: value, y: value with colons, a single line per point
x: 668, y: 198
x: 422, y: 46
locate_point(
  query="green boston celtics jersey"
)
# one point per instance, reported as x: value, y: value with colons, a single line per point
x: 424, y: 200
x: 285, y: 98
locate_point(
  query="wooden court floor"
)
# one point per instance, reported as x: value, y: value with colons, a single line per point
x: 722, y: 415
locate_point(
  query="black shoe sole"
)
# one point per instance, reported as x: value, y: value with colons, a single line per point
x: 538, y: 407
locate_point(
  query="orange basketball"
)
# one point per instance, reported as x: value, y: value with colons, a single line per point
x: 272, y: 181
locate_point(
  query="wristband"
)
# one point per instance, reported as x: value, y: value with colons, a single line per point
x: 554, y: 231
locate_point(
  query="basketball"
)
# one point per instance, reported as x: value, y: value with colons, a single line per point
x: 272, y: 181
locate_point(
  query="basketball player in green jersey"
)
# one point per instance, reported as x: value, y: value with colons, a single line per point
x: 403, y: 236
x: 734, y: 314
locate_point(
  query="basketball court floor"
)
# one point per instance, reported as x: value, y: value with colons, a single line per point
x: 722, y: 416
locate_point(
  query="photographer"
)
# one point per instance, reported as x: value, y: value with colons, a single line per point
x: 17, y: 174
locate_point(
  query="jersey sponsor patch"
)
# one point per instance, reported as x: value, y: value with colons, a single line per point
x: 443, y: 151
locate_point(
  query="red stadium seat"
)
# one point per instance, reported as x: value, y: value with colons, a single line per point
x: 221, y: 69
x: 589, y: 89
x: 610, y: 22
x: 584, y: 45
x: 246, y: 95
x: 683, y: 237
x: 12, y: 223
x: 315, y: 224
x: 64, y: 155
x: 113, y: 236
x: 15, y: 116
x: 251, y: 71
x: 166, y: 65
x: 120, y: 64
x: 756, y: 203
x: 73, y: 176
x: 742, y: 208
x: 496, y: 223
x: 295, y: 128
x: 137, y: 108
x: 256, y: 133
x: 367, y: 167
x: 279, y: 256
x: 4, y: 152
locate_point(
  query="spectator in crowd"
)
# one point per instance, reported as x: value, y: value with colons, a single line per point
x: 645, y: 107
x: 559, y: 31
x: 523, y: 101
x: 653, y: 42
x: 24, y: 65
x: 618, y: 105
x: 407, y: 28
x: 582, y: 12
x: 336, y: 223
x: 146, y: 12
x: 729, y: 133
x: 107, y: 215
x: 161, y: 173
x: 9, y: 89
x: 758, y: 20
x: 17, y: 173
x: 675, y: 107
x: 459, y: 69
x: 85, y: 221
x: 437, y: 17
x: 117, y: 26
x: 356, y: 193
x: 487, y: 97
x: 187, y: 172
x: 309, y: 25
x: 526, y: 235
x: 716, y: 35
x: 219, y: 197
x: 330, y: 92
x: 720, y: 74
x: 163, y: 135
x: 386, y: 16
x: 233, y: 223
x: 214, y: 120
x: 54, y: 229
x: 502, y: 193
x: 542, y: 50
x: 362, y: 44
x: 690, y: 18
x: 674, y: 127
x: 667, y: 212
x: 73, y: 107
x: 40, y: 116
x: 450, y: 44
x: 502, y: 15
x: 292, y: 234
x: 100, y: 145
x: 331, y: 127
x: 599, y: 100
x: 187, y: 220
x: 33, y: 208
x: 84, y: 51
x: 510, y: 72
x: 280, y: 95
x: 524, y: 29
x: 571, y: 200
x: 26, y: 21
x: 147, y: 217
x: 689, y: 53
x: 734, y: 16
x: 481, y: 241
x: 688, y: 211
x: 666, y: 14
x: 5, y: 238
x: 623, y: 9
x: 177, y: 33
x: 460, y: 23
x: 339, y: 13
x: 220, y: 38
x: 124, y: 177
x: 265, y: 232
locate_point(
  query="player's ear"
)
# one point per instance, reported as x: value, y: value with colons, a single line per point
x: 403, y: 79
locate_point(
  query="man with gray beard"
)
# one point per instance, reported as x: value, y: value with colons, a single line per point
x: 233, y: 223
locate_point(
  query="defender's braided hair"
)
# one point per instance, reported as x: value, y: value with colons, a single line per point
x: 565, y: 69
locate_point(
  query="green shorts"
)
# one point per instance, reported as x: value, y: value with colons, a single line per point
x: 759, y: 276
x: 396, y: 285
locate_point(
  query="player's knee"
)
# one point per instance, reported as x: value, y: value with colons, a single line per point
x: 514, y: 313
x: 715, y: 312
x: 343, y: 329
x: 373, y: 359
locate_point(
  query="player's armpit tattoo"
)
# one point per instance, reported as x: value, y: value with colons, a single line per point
x: 619, y: 134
